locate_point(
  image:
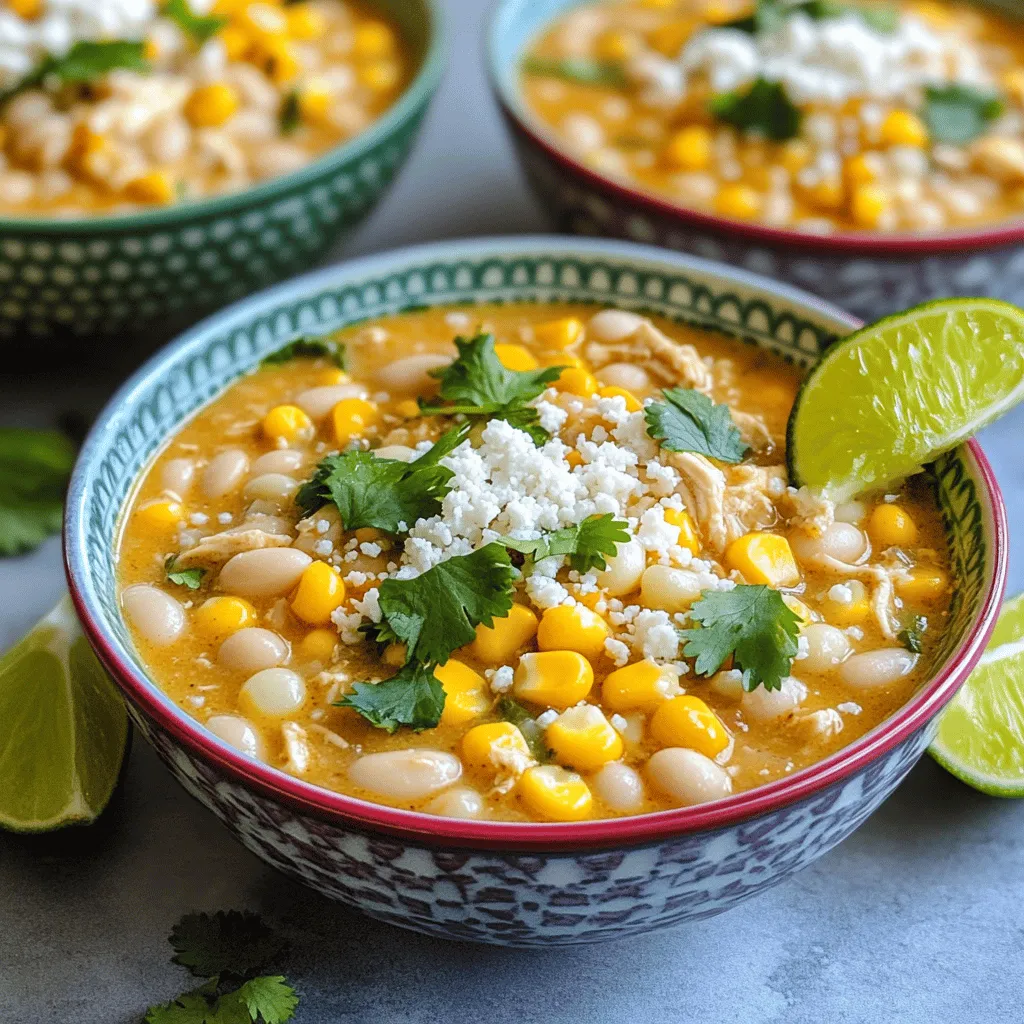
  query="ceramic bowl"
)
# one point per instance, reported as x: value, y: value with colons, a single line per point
x: 152, y: 270
x: 870, y: 275
x: 514, y: 883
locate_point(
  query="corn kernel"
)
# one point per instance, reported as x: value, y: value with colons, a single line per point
x: 320, y: 591
x: 314, y: 101
x: 332, y: 376
x: 827, y: 194
x: 556, y: 679
x: 718, y: 12
x: 572, y: 628
x: 466, y: 694
x: 515, y: 357
x: 352, y: 417
x: 904, y: 128
x: 497, y: 643
x: 395, y: 655
x: 85, y: 143
x: 573, y: 458
x: 153, y: 187
x: 687, y: 721
x: 318, y: 645
x: 582, y: 738
x: 891, y: 526
x: 235, y: 41
x: 305, y: 22
x: 1013, y: 83
x: 151, y: 49
x: 372, y: 39
x: 687, y: 531
x: 210, y: 106
x: 219, y: 617
x: 496, y: 746
x: 633, y: 404
x: 559, y: 334
x: 799, y: 609
x: 795, y: 155
x: 615, y: 46
x: 668, y: 39
x: 739, y: 201
x: 27, y: 9
x: 287, y: 423
x: 278, y: 61
x: 854, y: 612
x: 937, y: 14
x: 642, y: 686
x: 689, y: 149
x: 577, y: 382
x: 161, y: 512
x: 869, y: 205
x: 763, y: 558
x: 379, y: 76
x: 923, y: 584
x: 555, y: 794
x: 861, y: 169
x: 263, y: 21
x: 565, y: 360
x: 407, y: 408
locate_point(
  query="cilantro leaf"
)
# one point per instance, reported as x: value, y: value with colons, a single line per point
x: 754, y: 625
x: 191, y: 578
x: 34, y: 470
x: 413, y: 697
x: 586, y: 543
x: 958, y: 114
x: 308, y: 348
x: 438, y: 612
x: 382, y: 493
x: 911, y: 635
x: 514, y: 712
x: 764, y: 109
x: 688, y: 421
x: 579, y: 70
x: 269, y: 999
x: 200, y: 27
x: 84, y: 62
x: 289, y: 117
x: 769, y: 15
x: 235, y: 942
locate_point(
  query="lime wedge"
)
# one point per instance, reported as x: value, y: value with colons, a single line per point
x: 896, y: 394
x: 981, y: 732
x: 63, y: 728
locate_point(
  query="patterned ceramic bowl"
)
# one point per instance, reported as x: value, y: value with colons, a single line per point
x: 514, y: 883
x: 162, y: 268
x: 871, y: 275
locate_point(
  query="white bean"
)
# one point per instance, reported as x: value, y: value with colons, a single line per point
x: 237, y: 731
x: 271, y: 487
x: 460, y: 802
x: 406, y: 774
x: 282, y: 460
x: 265, y: 572
x: 582, y: 132
x: 763, y: 705
x: 412, y: 374
x: 400, y: 452
x: 625, y: 567
x: 850, y: 512
x: 177, y: 476
x: 155, y: 614
x: 624, y: 375
x: 252, y: 649
x: 318, y: 402
x: 224, y: 473
x: 873, y: 669
x: 826, y: 647
x: 273, y: 691
x: 687, y: 777
x: 669, y: 589
x: 613, y: 325
x: 728, y: 683
x: 842, y: 541
x: 619, y: 787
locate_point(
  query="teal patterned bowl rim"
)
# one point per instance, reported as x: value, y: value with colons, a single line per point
x: 187, y: 374
x: 416, y: 94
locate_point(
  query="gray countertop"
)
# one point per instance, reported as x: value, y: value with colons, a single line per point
x: 916, y: 918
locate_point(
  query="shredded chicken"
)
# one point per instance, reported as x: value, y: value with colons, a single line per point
x: 219, y: 547
x: 816, y: 726
x: 330, y: 736
x: 810, y: 511
x: 703, y: 492
x: 755, y: 432
x: 296, y: 747
x: 664, y: 358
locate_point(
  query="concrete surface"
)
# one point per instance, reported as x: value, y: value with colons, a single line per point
x: 915, y: 919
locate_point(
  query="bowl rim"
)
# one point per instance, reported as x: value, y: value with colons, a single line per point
x: 895, y: 244
x: 417, y: 92
x: 431, y: 830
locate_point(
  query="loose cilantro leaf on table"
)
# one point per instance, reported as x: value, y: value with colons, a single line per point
x: 751, y: 623
x: 476, y: 384
x: 382, y: 493
x: 235, y: 942
x: 413, y: 697
x: 958, y: 114
x: 586, y: 543
x: 688, y: 421
x: 579, y: 70
x: 84, y: 62
x: 191, y: 578
x: 308, y: 348
x: 34, y: 470
x: 763, y: 108
x: 200, y: 27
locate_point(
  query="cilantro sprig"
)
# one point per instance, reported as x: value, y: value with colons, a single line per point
x: 413, y: 697
x: 751, y: 623
x: 229, y: 950
x: 199, y: 26
x: 308, y: 348
x: 586, y: 543
x: 477, y: 385
x: 769, y: 15
x: 958, y: 114
x: 34, y: 470
x: 191, y: 578
x: 578, y: 70
x: 764, y: 108
x: 912, y: 634
x: 688, y: 421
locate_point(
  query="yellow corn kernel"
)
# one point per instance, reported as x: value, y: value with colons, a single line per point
x: 496, y: 746
x: 642, y: 686
x: 395, y: 655
x: 263, y: 21
x: 379, y: 76
x: 161, y: 512
x: 573, y: 458
x: 27, y: 9
x: 372, y: 39
x: 795, y: 155
x: 151, y: 49
x: 1013, y: 83
x: 854, y: 612
x: 352, y: 417
x: 657, y: 5
x: 904, y: 128
x: 496, y: 644
x: 687, y: 721
x: 633, y: 404
x: 407, y: 408
x: 563, y: 359
x: 615, y: 46
x: 582, y: 738
x: 318, y: 645
x: 573, y: 628
x: 556, y: 679
x: 891, y: 526
x: 332, y: 376
x: 515, y: 357
x: 689, y: 149
x: 687, y: 531
x: 923, y: 584
x: 577, y: 382
x: 210, y: 106
x: 860, y: 170
x: 799, y: 609
x: 235, y: 41
x: 305, y: 22
x: 559, y: 334
x: 219, y: 617
x: 868, y: 205
x: 668, y: 39
x: 938, y: 14
x: 737, y: 201
x: 288, y: 423
x: 314, y: 101
x: 718, y: 12
x: 320, y: 591
x: 763, y: 558
x: 278, y: 61
x: 555, y: 794
x: 827, y: 194
x: 466, y: 694
x: 153, y: 187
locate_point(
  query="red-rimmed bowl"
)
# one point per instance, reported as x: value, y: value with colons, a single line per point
x: 869, y: 274
x: 517, y: 884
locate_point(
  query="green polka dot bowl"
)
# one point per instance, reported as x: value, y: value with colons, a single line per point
x: 156, y: 271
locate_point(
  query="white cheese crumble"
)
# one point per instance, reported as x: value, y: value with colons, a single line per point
x: 501, y: 678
